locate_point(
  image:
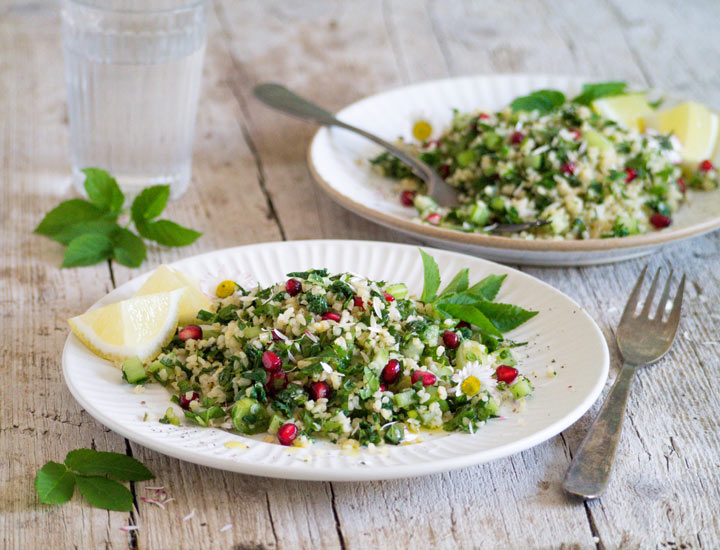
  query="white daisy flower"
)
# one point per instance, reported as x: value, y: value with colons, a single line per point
x: 473, y: 377
x: 210, y: 281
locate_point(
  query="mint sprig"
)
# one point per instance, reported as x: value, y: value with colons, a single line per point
x: 91, y: 471
x: 90, y: 229
x: 543, y: 101
x: 591, y: 92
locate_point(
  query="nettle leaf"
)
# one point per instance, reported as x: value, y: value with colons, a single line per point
x: 103, y: 190
x: 431, y: 277
x: 128, y: 248
x: 591, y: 92
x: 168, y: 233
x: 544, y: 101
x: 54, y: 483
x: 470, y: 314
x: 488, y: 288
x: 505, y: 317
x: 459, y: 283
x: 88, y: 249
x: 115, y: 465
x: 105, y: 493
x: 149, y: 203
x: 69, y: 212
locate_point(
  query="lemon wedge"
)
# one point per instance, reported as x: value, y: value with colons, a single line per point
x: 165, y: 279
x: 137, y: 327
x: 624, y: 109
x: 693, y: 124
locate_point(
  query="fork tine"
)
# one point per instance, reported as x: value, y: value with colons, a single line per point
x: 634, y: 295
x: 651, y: 295
x: 660, y: 312
x: 674, y: 318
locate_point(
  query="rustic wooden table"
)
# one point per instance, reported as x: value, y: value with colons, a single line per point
x: 251, y: 184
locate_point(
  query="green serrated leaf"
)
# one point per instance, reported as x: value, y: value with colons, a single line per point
x: 544, y: 101
x: 591, y: 92
x: 431, y: 277
x: 168, y: 233
x: 149, y: 204
x: 103, y: 190
x: 102, y: 226
x: 488, y: 288
x: 66, y: 213
x: 105, y: 493
x: 505, y: 317
x: 470, y: 314
x: 463, y: 298
x: 54, y: 483
x: 88, y: 249
x: 459, y: 283
x: 115, y: 465
x: 128, y: 248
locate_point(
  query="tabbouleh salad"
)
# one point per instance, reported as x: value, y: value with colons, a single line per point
x: 545, y: 157
x: 344, y: 358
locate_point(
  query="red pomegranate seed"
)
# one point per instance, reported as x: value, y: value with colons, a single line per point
x: 506, y: 374
x: 287, y: 433
x: 391, y: 371
x: 706, y: 166
x: 428, y: 378
x: 319, y: 390
x: 407, y: 197
x: 383, y: 387
x: 483, y: 116
x: 434, y: 218
x: 568, y: 168
x: 358, y: 302
x: 388, y: 297
x: 271, y: 362
x: 660, y: 221
x: 276, y: 381
x: 681, y: 185
x: 190, y: 332
x: 185, y: 400
x: 451, y: 339
x: 444, y: 170
x: 577, y: 134
x: 463, y: 324
x: 631, y: 175
x: 517, y: 137
x: 293, y: 287
x: 331, y: 316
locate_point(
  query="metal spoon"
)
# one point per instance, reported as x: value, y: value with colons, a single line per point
x: 282, y: 99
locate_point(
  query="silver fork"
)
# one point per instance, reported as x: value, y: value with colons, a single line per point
x: 642, y: 340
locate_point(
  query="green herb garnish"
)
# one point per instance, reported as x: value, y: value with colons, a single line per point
x: 543, y: 101
x: 591, y: 92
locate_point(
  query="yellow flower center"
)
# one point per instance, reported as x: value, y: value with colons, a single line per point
x: 470, y: 386
x: 225, y: 289
x: 421, y: 130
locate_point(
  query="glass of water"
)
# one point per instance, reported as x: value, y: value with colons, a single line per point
x: 133, y: 71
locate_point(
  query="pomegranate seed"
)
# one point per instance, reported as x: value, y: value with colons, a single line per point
x: 407, y: 198
x: 358, y: 302
x: 706, y: 166
x: 331, y: 316
x: 577, y: 134
x: 388, y: 297
x: 185, y: 400
x: 428, y: 378
x: 443, y: 170
x: 287, y: 433
x: 483, y: 116
x: 631, y: 175
x: 434, y: 218
x: 383, y: 387
x: 660, y: 221
x: 568, y: 168
x: 391, y: 371
x: 517, y: 137
x: 463, y: 324
x: 271, y: 362
x: 451, y: 339
x: 506, y: 374
x: 276, y: 381
x: 319, y: 390
x: 681, y: 185
x: 190, y: 332
x: 293, y: 287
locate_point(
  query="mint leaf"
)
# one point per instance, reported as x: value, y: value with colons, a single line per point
x: 505, y: 317
x: 88, y: 249
x: 115, y: 465
x: 167, y: 233
x: 431, y: 277
x: 458, y: 284
x: 54, y: 483
x: 591, y: 92
x: 105, y: 493
x: 149, y: 204
x: 470, y: 315
x: 544, y: 101
x: 488, y: 288
x: 128, y: 248
x: 66, y: 213
x: 103, y: 190
x: 460, y: 298
x: 102, y: 226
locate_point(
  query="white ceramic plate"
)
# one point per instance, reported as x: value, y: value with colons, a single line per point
x: 338, y: 162
x: 562, y: 335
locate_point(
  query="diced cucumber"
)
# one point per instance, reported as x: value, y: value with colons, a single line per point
x: 412, y: 414
x: 492, y: 407
x: 379, y: 360
x: 210, y: 333
x: 133, y: 371
x: 249, y: 416
x: 424, y: 203
x: 251, y: 332
x: 155, y: 366
x: 398, y: 291
x: 405, y: 399
x: 431, y: 335
x: 332, y: 427
x: 503, y: 356
x: 492, y: 141
x: 479, y: 213
x: 470, y: 350
x: 275, y: 422
x: 170, y: 417
x: 521, y: 388
x: 534, y: 162
x: 413, y: 349
x: 497, y: 204
x: 465, y: 158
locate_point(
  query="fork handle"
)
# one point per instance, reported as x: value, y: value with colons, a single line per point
x: 589, y: 471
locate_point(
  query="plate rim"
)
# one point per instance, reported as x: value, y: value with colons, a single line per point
x: 380, y: 472
x: 664, y: 236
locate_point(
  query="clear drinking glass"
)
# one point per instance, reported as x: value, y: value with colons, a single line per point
x: 133, y: 71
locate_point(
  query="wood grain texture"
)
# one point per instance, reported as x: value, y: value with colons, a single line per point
x: 250, y: 184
